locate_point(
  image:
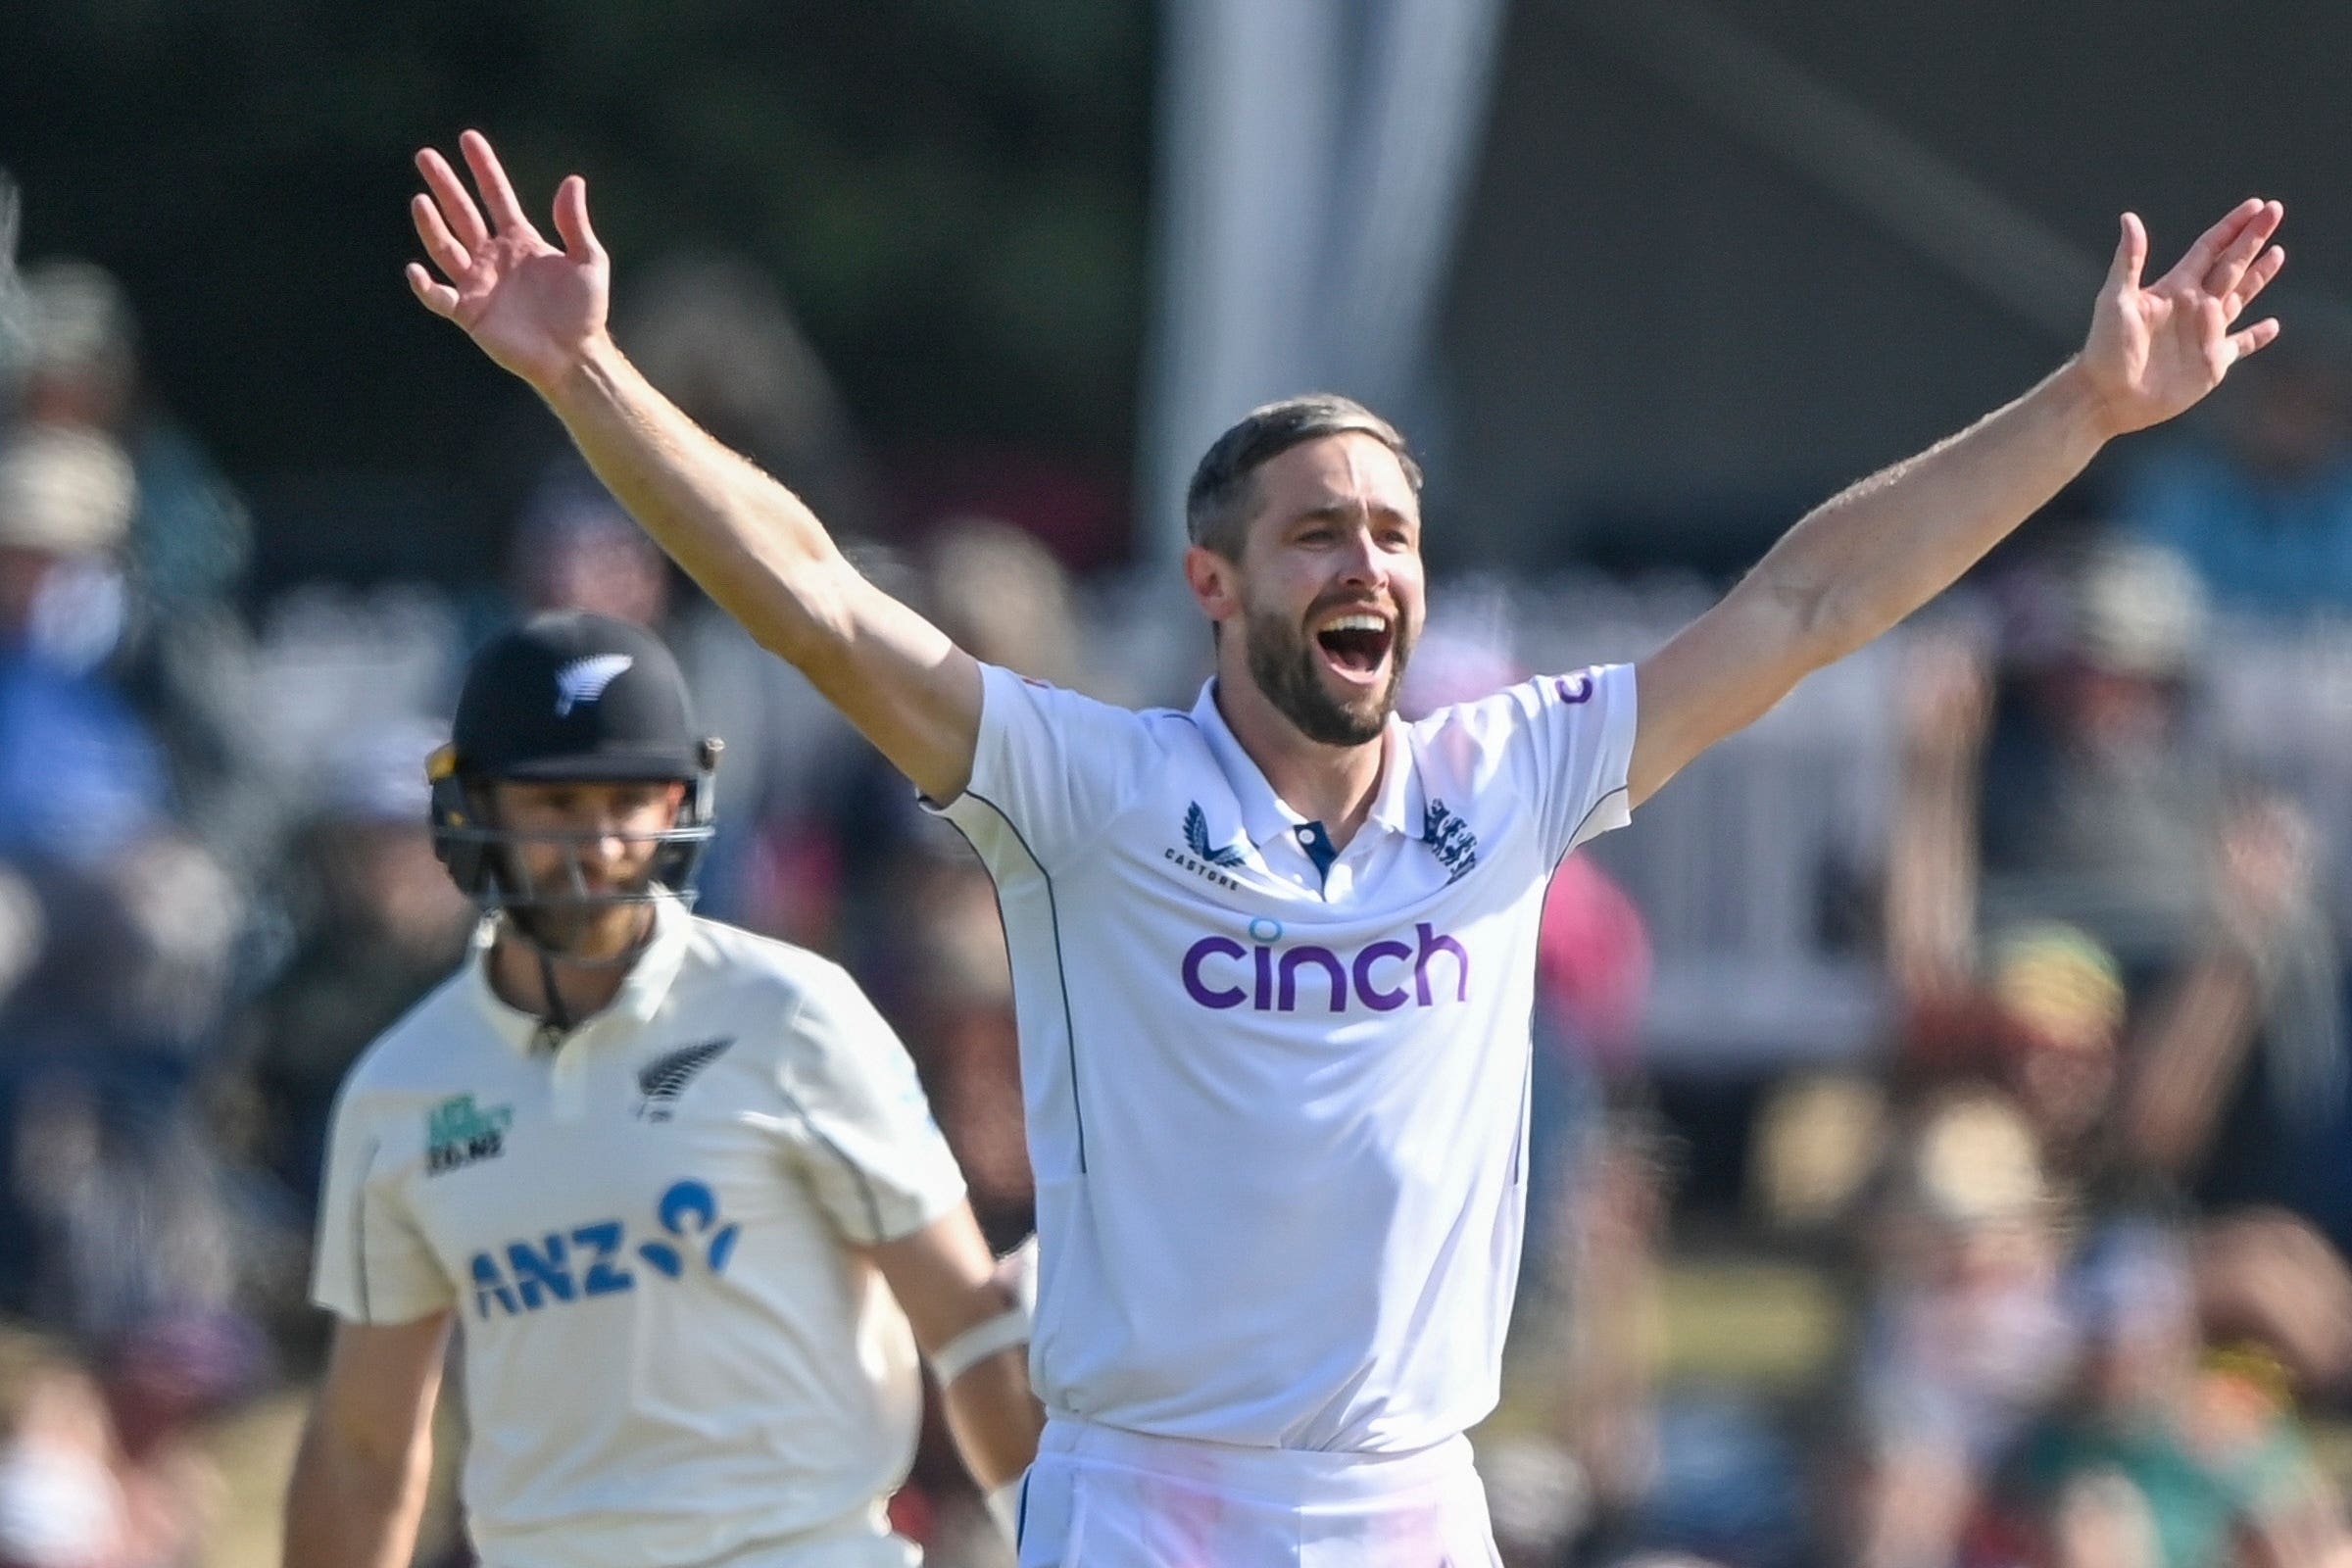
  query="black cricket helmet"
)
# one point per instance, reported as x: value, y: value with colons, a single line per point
x: 568, y: 697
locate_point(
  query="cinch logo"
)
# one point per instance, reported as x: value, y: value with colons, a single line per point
x: 594, y: 1260
x: 1219, y: 972
x: 458, y: 1133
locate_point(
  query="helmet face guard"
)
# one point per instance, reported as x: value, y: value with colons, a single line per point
x: 482, y: 860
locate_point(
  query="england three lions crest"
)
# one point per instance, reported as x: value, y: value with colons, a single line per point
x: 1449, y: 839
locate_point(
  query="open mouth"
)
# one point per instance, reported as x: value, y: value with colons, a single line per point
x: 1355, y: 644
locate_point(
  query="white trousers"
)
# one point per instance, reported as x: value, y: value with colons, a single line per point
x: 1098, y: 1498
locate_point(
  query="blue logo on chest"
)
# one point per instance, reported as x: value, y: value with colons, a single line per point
x: 597, y: 1259
x: 1449, y: 839
x: 1210, y: 863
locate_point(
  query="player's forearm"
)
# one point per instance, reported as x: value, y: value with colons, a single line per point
x: 751, y: 543
x: 1871, y: 555
x: 348, y: 1509
x: 994, y: 1418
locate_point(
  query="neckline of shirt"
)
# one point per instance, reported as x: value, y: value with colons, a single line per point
x: 641, y: 990
x: 1266, y: 815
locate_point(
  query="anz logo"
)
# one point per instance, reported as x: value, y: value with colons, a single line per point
x: 597, y: 1259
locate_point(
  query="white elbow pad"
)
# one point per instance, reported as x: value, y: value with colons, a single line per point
x: 978, y: 1343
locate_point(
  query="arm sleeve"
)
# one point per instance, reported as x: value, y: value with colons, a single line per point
x: 1052, y: 769
x: 372, y: 1263
x: 1576, y: 736
x: 859, y: 1128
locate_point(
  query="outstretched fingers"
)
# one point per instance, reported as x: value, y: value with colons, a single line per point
x: 2230, y: 266
x: 453, y: 258
x: 498, y: 194
x: 438, y: 298
x: 464, y: 219
x: 2254, y: 338
x: 2197, y: 261
x: 2130, y: 254
x: 572, y: 220
x: 2258, y: 278
x: 2210, y: 244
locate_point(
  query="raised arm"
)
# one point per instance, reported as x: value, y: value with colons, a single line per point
x: 1867, y: 557
x: 540, y: 311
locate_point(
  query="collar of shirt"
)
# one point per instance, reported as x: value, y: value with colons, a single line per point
x: 642, y: 990
x: 1265, y: 816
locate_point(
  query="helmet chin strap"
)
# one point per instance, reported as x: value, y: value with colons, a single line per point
x: 558, y: 1014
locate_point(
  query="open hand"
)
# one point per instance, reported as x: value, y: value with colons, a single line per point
x: 2156, y: 349
x: 534, y: 309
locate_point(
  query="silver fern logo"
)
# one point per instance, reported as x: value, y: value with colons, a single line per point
x: 584, y: 680
x: 664, y: 1078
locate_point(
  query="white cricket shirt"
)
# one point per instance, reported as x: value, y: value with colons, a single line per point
x: 670, y: 1354
x: 1277, y: 1099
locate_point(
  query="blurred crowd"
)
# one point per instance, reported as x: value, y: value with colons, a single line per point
x: 2052, y: 1273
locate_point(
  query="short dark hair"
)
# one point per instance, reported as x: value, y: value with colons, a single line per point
x: 1216, y: 504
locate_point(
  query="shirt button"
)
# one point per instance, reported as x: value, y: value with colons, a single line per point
x: 1306, y: 835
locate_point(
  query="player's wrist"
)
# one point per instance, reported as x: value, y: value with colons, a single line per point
x: 2085, y: 409
x: 588, y: 372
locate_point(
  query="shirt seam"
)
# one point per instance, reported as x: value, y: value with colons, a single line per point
x: 1069, y: 1027
x: 358, y: 1215
x: 866, y: 1186
x: 1121, y: 806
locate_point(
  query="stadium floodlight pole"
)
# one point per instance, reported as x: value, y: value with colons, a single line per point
x: 1271, y: 956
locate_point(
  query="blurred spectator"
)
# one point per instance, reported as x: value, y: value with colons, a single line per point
x: 577, y: 548
x: 377, y: 924
x: 2153, y: 1460
x: 2044, y: 1013
x: 1003, y: 597
x: 2262, y: 510
x: 61, y: 1505
x: 2120, y: 1079
x: 714, y: 332
x: 1965, y: 1335
x: 2245, y: 1091
x: 191, y: 538
x: 80, y: 776
x: 2097, y: 805
x: 151, y: 608
x: 161, y: 1382
x: 99, y: 1470
x: 2272, y: 1292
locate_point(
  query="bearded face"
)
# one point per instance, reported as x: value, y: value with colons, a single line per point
x: 1335, y: 674
x: 1320, y: 606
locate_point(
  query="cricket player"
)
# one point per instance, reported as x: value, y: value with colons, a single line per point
x: 1274, y: 955
x: 674, y: 1186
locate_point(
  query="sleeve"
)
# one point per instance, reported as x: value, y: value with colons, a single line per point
x: 372, y: 1263
x: 1050, y: 769
x: 862, y: 1131
x: 1576, y: 732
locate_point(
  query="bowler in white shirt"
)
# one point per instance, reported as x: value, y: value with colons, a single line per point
x: 1274, y: 957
